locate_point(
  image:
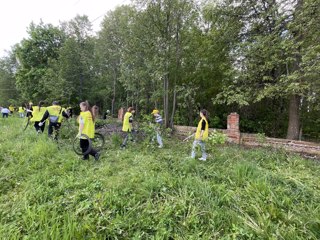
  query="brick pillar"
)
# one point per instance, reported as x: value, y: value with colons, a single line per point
x: 120, y: 114
x: 233, y: 131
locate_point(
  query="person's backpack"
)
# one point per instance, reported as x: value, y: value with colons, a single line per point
x: 54, y: 119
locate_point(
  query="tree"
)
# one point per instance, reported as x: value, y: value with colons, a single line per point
x: 110, y: 50
x: 166, y: 25
x: 8, y: 91
x: 76, y: 60
x: 268, y: 59
x: 303, y: 66
x: 34, y: 55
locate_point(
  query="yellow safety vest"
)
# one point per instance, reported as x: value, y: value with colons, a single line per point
x: 21, y: 109
x: 206, y: 130
x: 126, y: 125
x: 55, y: 111
x: 88, y: 124
x: 37, y: 113
x: 11, y: 108
x: 60, y: 116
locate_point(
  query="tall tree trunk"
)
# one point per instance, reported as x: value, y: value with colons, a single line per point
x: 173, y: 107
x: 81, y: 86
x: 294, y: 106
x: 190, y: 115
x: 177, y: 38
x: 166, y: 100
x: 127, y: 100
x: 294, y: 118
x: 112, y: 107
x: 114, y: 93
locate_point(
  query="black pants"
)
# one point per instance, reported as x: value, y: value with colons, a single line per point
x: 56, y: 127
x: 4, y: 115
x: 37, y: 127
x: 84, y: 144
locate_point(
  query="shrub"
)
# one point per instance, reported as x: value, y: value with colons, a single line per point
x: 216, y: 138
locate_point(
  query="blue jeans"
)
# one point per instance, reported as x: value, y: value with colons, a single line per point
x: 203, y: 148
x: 159, y: 139
x: 131, y: 134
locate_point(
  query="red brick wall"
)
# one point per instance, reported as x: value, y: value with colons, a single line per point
x: 233, y: 131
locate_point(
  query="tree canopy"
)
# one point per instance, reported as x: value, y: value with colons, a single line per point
x: 257, y: 57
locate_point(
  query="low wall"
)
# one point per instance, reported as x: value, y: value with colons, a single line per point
x: 256, y: 140
x: 290, y: 145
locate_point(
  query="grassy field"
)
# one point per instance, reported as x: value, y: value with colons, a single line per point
x: 148, y: 193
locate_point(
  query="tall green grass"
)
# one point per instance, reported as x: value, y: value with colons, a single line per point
x: 47, y: 192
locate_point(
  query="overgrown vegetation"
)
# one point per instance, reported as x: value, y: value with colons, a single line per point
x: 149, y: 193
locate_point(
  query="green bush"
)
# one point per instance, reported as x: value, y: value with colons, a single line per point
x: 216, y: 138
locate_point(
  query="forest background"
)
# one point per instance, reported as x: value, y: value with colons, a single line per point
x: 259, y: 58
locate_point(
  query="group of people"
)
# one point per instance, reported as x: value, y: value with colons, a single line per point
x: 201, y: 134
x: 55, y: 114
x: 128, y: 128
x: 21, y: 110
x: 6, y: 111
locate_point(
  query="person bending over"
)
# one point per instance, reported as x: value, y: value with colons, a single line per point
x: 55, y: 114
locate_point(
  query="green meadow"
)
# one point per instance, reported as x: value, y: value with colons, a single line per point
x: 142, y: 192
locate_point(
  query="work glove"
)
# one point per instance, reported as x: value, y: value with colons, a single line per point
x: 40, y: 124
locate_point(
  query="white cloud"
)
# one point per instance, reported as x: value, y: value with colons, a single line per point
x: 16, y: 15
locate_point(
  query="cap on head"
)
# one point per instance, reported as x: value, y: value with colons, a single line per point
x: 155, y: 111
x: 55, y: 103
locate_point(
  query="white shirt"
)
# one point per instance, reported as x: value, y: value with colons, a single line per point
x: 5, y: 110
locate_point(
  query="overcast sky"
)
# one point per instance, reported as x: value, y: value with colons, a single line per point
x: 16, y: 15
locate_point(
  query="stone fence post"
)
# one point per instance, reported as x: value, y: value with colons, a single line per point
x: 120, y: 113
x: 233, y: 131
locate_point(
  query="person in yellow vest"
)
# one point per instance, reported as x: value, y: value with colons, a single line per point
x: 11, y: 108
x: 21, y: 110
x: 37, y: 114
x: 127, y: 125
x: 201, y: 135
x: 86, y: 126
x: 55, y: 114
